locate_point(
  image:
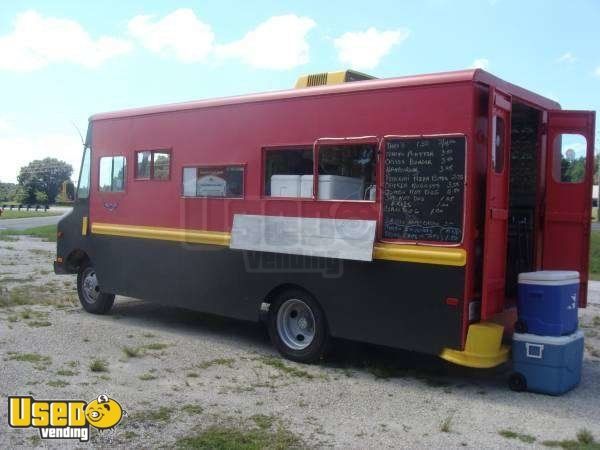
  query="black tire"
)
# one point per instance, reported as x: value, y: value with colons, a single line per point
x: 102, y: 302
x: 520, y: 326
x: 517, y: 382
x: 320, y: 340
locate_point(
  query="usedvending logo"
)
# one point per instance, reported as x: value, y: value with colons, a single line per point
x: 64, y: 419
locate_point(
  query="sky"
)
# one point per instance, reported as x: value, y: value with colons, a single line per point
x: 62, y: 61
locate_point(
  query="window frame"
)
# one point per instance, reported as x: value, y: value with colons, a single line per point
x: 196, y: 166
x: 557, y: 158
x: 300, y: 147
x: 112, y: 168
x: 382, y: 160
x: 498, y: 163
x: 169, y: 151
x: 374, y: 140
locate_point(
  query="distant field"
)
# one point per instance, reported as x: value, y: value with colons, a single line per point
x: 8, y: 214
x: 46, y: 232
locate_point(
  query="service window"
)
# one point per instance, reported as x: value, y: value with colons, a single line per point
x: 288, y: 172
x: 423, y: 189
x: 112, y: 174
x: 347, y: 172
x: 152, y: 165
x: 570, y: 158
x: 219, y: 182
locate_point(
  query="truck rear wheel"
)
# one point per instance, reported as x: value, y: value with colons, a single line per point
x: 297, y: 327
x: 91, y: 297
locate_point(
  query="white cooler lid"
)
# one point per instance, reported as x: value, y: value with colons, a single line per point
x: 549, y: 275
x: 550, y: 340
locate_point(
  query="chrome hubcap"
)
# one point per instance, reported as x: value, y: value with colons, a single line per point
x: 90, y: 288
x: 296, y: 324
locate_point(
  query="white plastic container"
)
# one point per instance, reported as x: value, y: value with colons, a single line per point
x: 285, y: 185
x: 333, y: 187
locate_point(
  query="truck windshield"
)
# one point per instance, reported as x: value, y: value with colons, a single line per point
x: 83, y: 187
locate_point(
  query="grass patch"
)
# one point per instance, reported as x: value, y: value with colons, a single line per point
x: 219, y: 437
x: 161, y: 414
x: 58, y: 383
x: 39, y: 323
x: 131, y: 352
x: 292, y: 371
x: 147, y: 377
x: 66, y: 373
x: 156, y: 346
x: 46, y: 232
x: 263, y: 421
x: 446, y: 425
x: 217, y: 362
x: 99, y: 365
x: 14, y: 214
x: 584, y: 441
x: 191, y: 375
x: 192, y: 409
x: 31, y: 294
x: 595, y: 255
x: 34, y: 358
x: 509, y: 434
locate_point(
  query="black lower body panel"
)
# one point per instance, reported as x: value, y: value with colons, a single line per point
x: 396, y: 304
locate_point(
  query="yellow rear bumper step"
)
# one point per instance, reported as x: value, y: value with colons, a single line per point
x: 483, y: 349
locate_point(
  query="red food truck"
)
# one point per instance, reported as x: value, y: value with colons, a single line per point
x: 396, y: 212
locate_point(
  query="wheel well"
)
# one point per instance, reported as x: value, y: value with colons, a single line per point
x: 276, y: 291
x: 75, y: 259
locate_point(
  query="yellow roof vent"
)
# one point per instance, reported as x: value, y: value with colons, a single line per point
x: 321, y: 79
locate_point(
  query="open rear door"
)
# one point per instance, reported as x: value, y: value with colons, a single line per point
x: 496, y: 205
x: 568, y: 199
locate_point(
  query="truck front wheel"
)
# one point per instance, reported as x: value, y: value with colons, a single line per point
x: 91, y: 297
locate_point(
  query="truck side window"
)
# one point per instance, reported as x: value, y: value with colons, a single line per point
x: 112, y: 174
x: 211, y: 181
x: 285, y: 171
x: 152, y: 165
x: 347, y: 172
x: 83, y: 187
x: 569, y: 158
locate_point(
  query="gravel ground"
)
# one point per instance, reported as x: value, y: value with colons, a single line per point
x: 186, y: 372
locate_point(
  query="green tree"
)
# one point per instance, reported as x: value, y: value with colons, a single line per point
x: 45, y: 176
x: 41, y: 197
x: 7, y: 192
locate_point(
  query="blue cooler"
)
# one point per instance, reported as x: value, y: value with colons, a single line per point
x: 547, y: 303
x: 546, y: 364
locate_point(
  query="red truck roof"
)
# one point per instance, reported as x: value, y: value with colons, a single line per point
x: 469, y: 75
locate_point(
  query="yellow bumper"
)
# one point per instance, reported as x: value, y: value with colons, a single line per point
x: 483, y: 349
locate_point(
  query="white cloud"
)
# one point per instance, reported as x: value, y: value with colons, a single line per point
x: 180, y: 33
x: 18, y: 151
x: 567, y: 58
x: 597, y: 71
x: 481, y: 63
x: 364, y: 49
x: 278, y: 43
x: 37, y: 41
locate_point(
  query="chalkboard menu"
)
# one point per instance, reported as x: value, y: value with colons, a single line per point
x: 423, y: 189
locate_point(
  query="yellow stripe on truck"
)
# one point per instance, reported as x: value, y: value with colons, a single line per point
x: 163, y: 234
x: 422, y: 254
